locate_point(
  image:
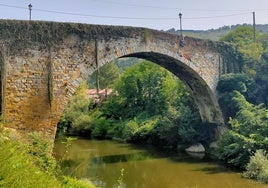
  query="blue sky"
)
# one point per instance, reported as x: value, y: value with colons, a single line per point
x: 155, y: 14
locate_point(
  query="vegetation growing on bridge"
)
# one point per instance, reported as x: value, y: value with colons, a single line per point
x: 18, y: 35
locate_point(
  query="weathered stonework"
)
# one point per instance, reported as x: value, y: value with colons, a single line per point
x: 43, y: 63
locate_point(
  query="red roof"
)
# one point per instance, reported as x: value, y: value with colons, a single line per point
x: 92, y: 93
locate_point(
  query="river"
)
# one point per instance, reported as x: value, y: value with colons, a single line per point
x: 108, y: 164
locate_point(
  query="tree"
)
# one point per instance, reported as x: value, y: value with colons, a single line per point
x: 76, y: 119
x: 243, y: 39
x: 234, y: 82
x: 145, y: 87
x: 108, y: 74
x: 248, y: 133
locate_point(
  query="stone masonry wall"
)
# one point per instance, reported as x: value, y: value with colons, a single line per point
x: 43, y: 71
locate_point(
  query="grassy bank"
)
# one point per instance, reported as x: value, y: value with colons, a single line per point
x: 31, y: 166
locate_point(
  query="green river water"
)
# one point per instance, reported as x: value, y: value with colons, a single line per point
x: 103, y: 162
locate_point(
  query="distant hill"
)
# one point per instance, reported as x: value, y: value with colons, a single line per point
x: 216, y: 34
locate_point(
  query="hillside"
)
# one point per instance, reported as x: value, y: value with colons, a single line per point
x: 216, y: 34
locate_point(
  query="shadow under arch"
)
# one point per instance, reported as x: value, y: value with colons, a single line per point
x: 204, y: 98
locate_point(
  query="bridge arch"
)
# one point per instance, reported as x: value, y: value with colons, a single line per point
x: 203, y: 96
x: 43, y: 70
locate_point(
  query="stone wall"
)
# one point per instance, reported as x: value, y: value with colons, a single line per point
x: 43, y: 63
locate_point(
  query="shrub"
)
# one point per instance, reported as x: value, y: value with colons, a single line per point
x: 257, y: 168
x: 248, y: 133
x: 82, y: 125
x: 144, y: 133
x: 18, y: 168
x: 101, y: 128
x: 31, y: 166
x: 41, y: 153
x: 235, y: 149
x: 130, y: 128
x: 69, y: 182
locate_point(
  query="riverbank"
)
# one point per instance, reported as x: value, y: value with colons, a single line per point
x: 31, y: 165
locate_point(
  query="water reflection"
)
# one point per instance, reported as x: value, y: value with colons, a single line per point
x: 103, y: 161
x: 124, y: 157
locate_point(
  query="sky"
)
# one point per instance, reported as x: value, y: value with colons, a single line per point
x: 154, y: 14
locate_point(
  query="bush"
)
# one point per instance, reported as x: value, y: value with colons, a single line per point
x: 144, y: 132
x: 82, y: 125
x: 69, y: 182
x: 41, y: 153
x: 248, y: 133
x: 257, y: 168
x: 18, y: 168
x: 31, y: 166
x: 122, y: 130
x: 235, y: 149
x: 101, y: 128
x: 76, y: 119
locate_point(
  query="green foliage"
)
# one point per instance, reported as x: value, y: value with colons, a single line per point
x: 41, y: 153
x: 75, y: 119
x: 70, y: 182
x: 101, y: 128
x: 261, y: 84
x: 67, y: 144
x: 235, y: 149
x: 177, y: 127
x: 144, y: 87
x: 31, y: 165
x: 257, y: 168
x: 248, y: 134
x: 248, y: 121
x: 108, y: 74
x: 230, y: 82
x: 149, y: 105
x: 218, y: 33
x: 120, y: 182
x: 143, y: 134
x: 242, y: 38
x: 125, y: 130
x: 18, y: 168
x: 233, y: 82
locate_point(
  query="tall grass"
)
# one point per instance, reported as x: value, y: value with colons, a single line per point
x: 18, y: 168
x: 31, y: 166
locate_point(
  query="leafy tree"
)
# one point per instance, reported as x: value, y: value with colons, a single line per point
x: 264, y: 41
x: 108, y: 74
x: 249, y: 130
x: 176, y: 127
x: 261, y: 83
x: 144, y: 87
x: 76, y: 119
x: 243, y: 39
x: 234, y: 82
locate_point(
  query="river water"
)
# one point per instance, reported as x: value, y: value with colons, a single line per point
x: 110, y: 164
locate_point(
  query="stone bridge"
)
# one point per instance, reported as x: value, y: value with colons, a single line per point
x: 43, y: 63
